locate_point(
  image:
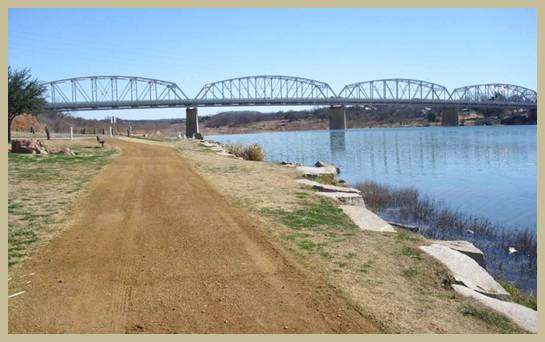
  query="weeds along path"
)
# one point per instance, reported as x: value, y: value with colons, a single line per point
x: 155, y: 249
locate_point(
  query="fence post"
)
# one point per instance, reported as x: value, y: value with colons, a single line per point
x: 71, y: 133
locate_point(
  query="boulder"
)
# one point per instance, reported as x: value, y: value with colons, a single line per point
x: 467, y: 271
x: 466, y: 248
x: 53, y: 149
x: 28, y: 146
x: 366, y: 219
x: 344, y: 198
x: 523, y: 316
x: 67, y: 151
x: 320, y: 163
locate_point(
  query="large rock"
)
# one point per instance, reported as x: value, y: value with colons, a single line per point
x: 320, y: 163
x: 465, y: 247
x: 327, y: 188
x: 524, y: 317
x: 344, y: 198
x: 27, y: 146
x: 366, y: 219
x: 467, y: 271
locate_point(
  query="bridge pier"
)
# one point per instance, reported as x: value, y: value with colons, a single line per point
x: 532, y: 114
x: 449, y: 117
x: 337, y: 117
x: 191, y: 122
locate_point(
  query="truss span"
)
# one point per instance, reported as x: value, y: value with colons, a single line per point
x: 98, y: 92
x: 395, y: 90
x: 494, y: 93
x: 125, y: 92
x: 265, y: 88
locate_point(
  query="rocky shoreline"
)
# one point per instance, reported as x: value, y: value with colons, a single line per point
x: 464, y: 261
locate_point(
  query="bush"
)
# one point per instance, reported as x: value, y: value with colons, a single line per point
x: 248, y: 152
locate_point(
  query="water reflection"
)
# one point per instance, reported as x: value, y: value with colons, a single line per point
x: 337, y: 143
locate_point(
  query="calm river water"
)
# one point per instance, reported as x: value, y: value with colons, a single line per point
x: 488, y: 171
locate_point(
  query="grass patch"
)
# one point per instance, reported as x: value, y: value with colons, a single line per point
x: 306, y: 244
x: 301, y: 195
x: 350, y: 255
x: 411, y: 252
x: 403, y: 236
x: 490, y: 317
x: 314, y: 215
x: 410, y: 273
x: 519, y: 296
x: 42, y: 186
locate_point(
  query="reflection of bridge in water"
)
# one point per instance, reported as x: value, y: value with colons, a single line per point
x: 126, y: 92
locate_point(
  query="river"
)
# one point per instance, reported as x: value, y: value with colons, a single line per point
x: 488, y: 171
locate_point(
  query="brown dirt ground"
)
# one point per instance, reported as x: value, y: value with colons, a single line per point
x: 153, y: 248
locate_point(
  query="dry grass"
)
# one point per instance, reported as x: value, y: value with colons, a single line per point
x: 41, y: 188
x: 247, y: 152
x: 386, y: 275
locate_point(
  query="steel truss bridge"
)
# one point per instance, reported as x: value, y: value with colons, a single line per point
x: 128, y: 92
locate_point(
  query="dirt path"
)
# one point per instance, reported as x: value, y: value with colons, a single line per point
x: 154, y: 249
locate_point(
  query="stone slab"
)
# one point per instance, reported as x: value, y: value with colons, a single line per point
x: 225, y: 154
x: 326, y: 187
x: 523, y: 316
x: 366, y: 219
x: 208, y: 144
x: 316, y: 171
x: 467, y: 271
x: 465, y: 247
x: 344, y: 198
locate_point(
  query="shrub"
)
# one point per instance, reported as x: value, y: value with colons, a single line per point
x: 248, y: 152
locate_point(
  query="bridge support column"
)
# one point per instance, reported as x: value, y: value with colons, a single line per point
x: 532, y: 115
x: 449, y: 117
x: 191, y: 122
x: 337, y: 117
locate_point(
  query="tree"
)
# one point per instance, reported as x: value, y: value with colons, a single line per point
x: 25, y: 95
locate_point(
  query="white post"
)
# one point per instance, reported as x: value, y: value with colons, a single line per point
x: 71, y: 133
x: 110, y: 131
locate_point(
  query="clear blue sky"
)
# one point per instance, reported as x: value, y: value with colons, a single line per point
x: 452, y: 47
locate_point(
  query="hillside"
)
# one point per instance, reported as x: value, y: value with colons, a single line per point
x: 253, y: 121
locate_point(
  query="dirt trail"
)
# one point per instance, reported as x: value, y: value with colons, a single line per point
x: 154, y: 249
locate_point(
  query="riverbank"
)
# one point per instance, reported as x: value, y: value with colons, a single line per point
x: 383, y: 277
x: 387, y: 276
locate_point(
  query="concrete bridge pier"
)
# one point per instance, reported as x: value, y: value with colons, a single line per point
x: 532, y: 114
x: 449, y: 117
x: 191, y: 122
x: 337, y: 117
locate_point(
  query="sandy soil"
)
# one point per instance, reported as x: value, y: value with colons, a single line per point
x: 154, y: 248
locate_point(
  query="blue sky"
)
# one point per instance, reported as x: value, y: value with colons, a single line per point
x: 452, y: 47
